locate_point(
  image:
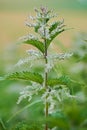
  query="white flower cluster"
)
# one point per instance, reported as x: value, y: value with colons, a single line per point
x: 60, y: 56
x: 49, y: 66
x: 47, y: 16
x: 24, y: 61
x: 53, y: 15
x: 47, y: 34
x: 58, y: 29
x: 20, y: 62
x: 29, y: 91
x: 32, y: 17
x: 64, y: 93
x: 48, y: 97
x: 53, y: 96
x: 41, y: 30
x: 33, y: 56
x: 34, y: 53
x: 44, y: 32
x: 57, y: 22
x: 45, y: 13
x: 28, y: 37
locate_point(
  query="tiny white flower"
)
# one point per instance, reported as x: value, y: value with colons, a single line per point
x: 29, y: 91
x: 28, y: 37
x: 41, y: 30
x: 60, y: 56
x: 53, y: 15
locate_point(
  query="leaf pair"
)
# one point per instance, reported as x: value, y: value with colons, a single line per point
x: 36, y: 77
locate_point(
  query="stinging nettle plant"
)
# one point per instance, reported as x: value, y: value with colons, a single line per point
x: 52, y: 89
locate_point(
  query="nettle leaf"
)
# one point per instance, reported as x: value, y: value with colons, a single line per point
x: 63, y: 80
x: 36, y: 43
x: 53, y: 36
x: 26, y: 76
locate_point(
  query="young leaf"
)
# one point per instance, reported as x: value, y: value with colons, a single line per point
x: 38, y: 44
x: 36, y: 28
x: 26, y: 76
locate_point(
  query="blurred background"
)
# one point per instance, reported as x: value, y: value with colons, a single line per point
x: 13, y: 15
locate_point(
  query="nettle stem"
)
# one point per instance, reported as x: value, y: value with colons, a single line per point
x: 45, y: 79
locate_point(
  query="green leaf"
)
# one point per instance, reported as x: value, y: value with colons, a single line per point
x: 53, y: 36
x: 53, y: 26
x: 38, y: 44
x: 25, y: 76
x: 36, y: 28
x: 63, y: 80
x: 58, y: 120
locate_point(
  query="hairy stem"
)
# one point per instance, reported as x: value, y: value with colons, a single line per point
x: 46, y: 76
x: 45, y: 80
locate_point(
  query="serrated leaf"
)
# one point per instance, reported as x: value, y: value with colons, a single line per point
x: 25, y: 76
x: 63, y: 80
x: 36, y: 43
